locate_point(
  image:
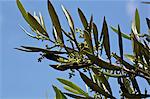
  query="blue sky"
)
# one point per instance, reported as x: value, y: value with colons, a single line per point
x: 21, y: 76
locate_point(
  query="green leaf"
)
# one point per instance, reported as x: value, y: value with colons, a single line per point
x: 55, y: 21
x: 127, y: 85
x: 59, y: 94
x: 94, y: 86
x: 95, y: 33
x: 101, y: 63
x: 83, y: 18
x: 137, y: 21
x: 103, y: 79
x: 88, y: 40
x: 120, y: 42
x: 71, y: 90
x: 22, y: 10
x: 36, y: 26
x: 122, y: 34
x: 106, y: 41
x: 73, y: 86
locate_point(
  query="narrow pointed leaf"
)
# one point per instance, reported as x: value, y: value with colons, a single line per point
x: 29, y: 34
x: 90, y: 26
x: 69, y: 19
x: 55, y: 21
x: 22, y: 10
x: 76, y: 96
x: 148, y: 23
x: 122, y: 34
x: 73, y: 86
x: 59, y: 94
x: 137, y: 20
x: 83, y: 18
x: 106, y: 41
x: 36, y: 49
x: 135, y: 84
x: 120, y: 42
x: 36, y: 26
x: 94, y: 86
x: 71, y: 90
x: 95, y: 33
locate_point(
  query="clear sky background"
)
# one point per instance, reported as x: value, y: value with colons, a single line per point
x: 21, y: 76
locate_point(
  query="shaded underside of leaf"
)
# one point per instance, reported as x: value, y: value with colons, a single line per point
x: 148, y: 22
x: 120, y: 42
x: 106, y: 41
x: 69, y: 66
x: 95, y: 32
x: 83, y: 18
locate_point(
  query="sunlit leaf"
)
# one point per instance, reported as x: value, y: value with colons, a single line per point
x: 29, y: 34
x: 137, y: 20
x: 73, y: 86
x: 55, y: 21
x: 59, y: 94
x: 94, y: 86
x: 122, y: 34
x: 22, y: 10
x: 69, y: 19
x: 83, y: 18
